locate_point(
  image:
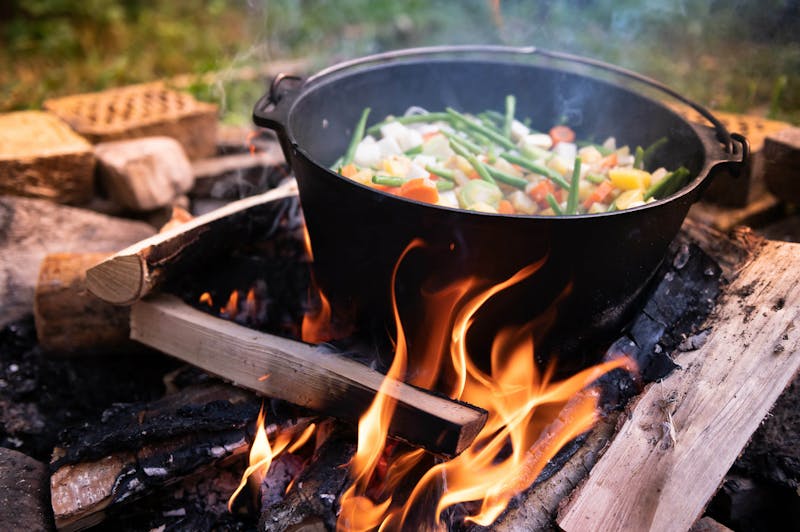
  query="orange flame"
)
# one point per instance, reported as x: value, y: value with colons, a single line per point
x: 250, y: 144
x: 530, y: 417
x: 317, y: 324
x: 262, y: 453
x: 205, y: 298
x: 231, y: 308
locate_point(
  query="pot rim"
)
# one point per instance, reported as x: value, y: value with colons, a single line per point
x: 713, y: 154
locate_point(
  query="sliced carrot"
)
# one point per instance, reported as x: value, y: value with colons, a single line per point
x: 349, y: 170
x: 505, y: 207
x: 562, y: 134
x: 599, y: 194
x: 609, y: 161
x: 540, y: 191
x: 418, y: 189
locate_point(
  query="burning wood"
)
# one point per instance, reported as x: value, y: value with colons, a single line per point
x: 135, y: 271
x: 713, y: 405
x: 301, y: 374
x: 140, y: 448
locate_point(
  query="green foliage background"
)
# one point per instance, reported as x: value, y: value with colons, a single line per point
x: 740, y: 55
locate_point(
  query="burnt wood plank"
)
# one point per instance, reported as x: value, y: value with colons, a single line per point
x: 301, y: 374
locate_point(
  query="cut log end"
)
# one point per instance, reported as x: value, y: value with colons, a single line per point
x: 121, y: 280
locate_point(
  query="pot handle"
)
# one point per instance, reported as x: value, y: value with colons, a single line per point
x: 272, y: 110
x: 722, y: 133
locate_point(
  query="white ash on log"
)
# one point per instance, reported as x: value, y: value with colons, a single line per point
x: 144, y: 174
x: 301, y: 374
x: 41, y: 157
x: 23, y: 493
x: 313, y: 499
x: 68, y: 318
x: 685, y: 432
x: 135, y: 450
x: 31, y: 228
x: 135, y: 271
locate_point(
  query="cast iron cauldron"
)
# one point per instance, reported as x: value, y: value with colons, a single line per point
x: 595, y: 266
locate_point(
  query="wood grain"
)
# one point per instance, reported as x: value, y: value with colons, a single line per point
x: 132, y: 273
x: 301, y: 374
x: 684, y: 433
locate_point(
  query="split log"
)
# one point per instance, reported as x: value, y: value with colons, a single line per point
x: 67, y: 317
x: 41, y: 157
x: 301, y: 374
x: 144, y: 174
x: 135, y: 271
x: 685, y: 432
x: 23, y: 493
x: 238, y: 175
x: 137, y: 449
x: 781, y: 161
x: 31, y: 228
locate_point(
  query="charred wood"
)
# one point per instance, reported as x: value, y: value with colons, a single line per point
x: 314, y: 496
x: 301, y: 374
x: 137, y: 449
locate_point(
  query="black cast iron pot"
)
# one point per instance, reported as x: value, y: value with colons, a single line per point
x: 595, y: 266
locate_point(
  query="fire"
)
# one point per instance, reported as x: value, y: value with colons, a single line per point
x: 317, y: 326
x: 530, y: 418
x: 205, y: 298
x: 250, y: 144
x: 262, y: 453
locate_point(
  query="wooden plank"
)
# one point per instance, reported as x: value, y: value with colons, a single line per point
x: 301, y: 374
x: 131, y: 274
x: 685, y: 432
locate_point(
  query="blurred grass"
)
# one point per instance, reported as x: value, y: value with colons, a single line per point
x: 735, y: 56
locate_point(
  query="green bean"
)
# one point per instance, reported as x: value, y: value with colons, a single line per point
x: 651, y: 149
x: 638, y: 159
x: 480, y: 128
x: 669, y: 184
x: 409, y: 119
x: 416, y: 150
x: 554, y: 176
x: 476, y: 164
x: 511, y: 105
x: 441, y: 172
x: 471, y: 146
x: 496, y: 117
x: 358, y: 133
x: 572, y: 197
x: 337, y: 164
x: 554, y: 204
x: 441, y: 186
x: 595, y: 178
x: 612, y: 207
x: 508, y: 179
x: 388, y: 180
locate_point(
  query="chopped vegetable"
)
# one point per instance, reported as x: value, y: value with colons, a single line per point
x: 562, y: 134
x: 358, y: 132
x: 494, y: 163
x: 572, y: 197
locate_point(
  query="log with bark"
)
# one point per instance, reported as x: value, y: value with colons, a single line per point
x: 137, y: 449
x: 67, y: 317
x: 23, y: 493
x: 301, y: 374
x: 684, y: 432
x: 137, y: 270
x: 30, y: 229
